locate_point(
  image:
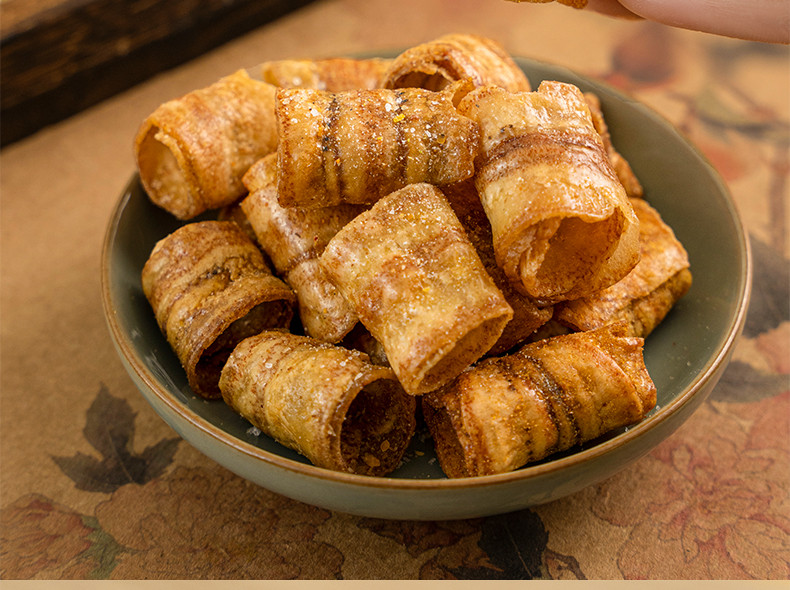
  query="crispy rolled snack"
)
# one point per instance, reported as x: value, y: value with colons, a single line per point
x: 334, y: 74
x: 549, y: 396
x: 294, y: 238
x: 436, y: 64
x: 645, y: 295
x: 328, y: 403
x: 417, y: 284
x: 193, y: 151
x: 527, y: 317
x: 357, y: 146
x: 210, y: 288
x: 562, y: 224
x: 631, y: 184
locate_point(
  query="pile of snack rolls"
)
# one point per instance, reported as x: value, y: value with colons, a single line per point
x: 419, y: 239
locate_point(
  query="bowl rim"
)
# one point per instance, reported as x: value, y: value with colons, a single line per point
x: 123, y: 345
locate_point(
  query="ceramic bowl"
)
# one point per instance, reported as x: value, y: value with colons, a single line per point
x: 685, y: 355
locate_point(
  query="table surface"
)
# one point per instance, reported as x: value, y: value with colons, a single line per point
x: 710, y: 502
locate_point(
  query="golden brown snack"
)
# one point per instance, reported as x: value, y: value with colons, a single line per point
x: 562, y: 224
x: 527, y: 317
x: 209, y: 288
x: 331, y: 74
x: 646, y: 294
x: 631, y: 184
x: 417, y: 284
x: 548, y: 397
x: 192, y: 151
x: 357, y: 146
x: 294, y: 238
x: 437, y: 64
x: 326, y: 402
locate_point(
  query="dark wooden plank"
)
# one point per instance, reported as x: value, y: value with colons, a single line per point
x: 58, y: 58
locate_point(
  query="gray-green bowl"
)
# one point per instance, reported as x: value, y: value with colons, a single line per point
x: 685, y: 355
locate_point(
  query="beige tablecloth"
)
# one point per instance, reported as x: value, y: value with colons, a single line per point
x: 709, y: 502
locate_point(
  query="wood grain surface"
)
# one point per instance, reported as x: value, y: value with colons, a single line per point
x: 58, y: 57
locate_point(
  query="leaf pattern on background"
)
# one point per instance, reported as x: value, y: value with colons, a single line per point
x: 713, y: 106
x: 769, y: 305
x: 743, y: 383
x: 40, y: 537
x: 562, y: 567
x: 103, y: 552
x: 724, y: 104
x: 768, y: 310
x: 515, y: 544
x: 507, y: 547
x: 421, y: 536
x: 109, y: 428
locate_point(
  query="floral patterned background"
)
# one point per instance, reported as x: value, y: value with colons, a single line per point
x: 96, y: 486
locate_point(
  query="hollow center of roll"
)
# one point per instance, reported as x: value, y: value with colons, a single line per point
x: 376, y: 430
x: 435, y: 82
x: 449, y: 449
x: 162, y: 176
x: 269, y: 314
x: 574, y: 254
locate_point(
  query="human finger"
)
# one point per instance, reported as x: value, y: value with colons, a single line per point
x: 756, y: 20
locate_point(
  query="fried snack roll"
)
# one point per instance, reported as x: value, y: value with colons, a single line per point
x: 417, y: 284
x: 527, y: 316
x: 209, y: 287
x: 562, y: 224
x: 192, y: 151
x: 328, y: 403
x: 334, y: 74
x: 631, y: 184
x: 645, y: 295
x: 549, y: 396
x: 357, y: 146
x: 294, y: 238
x: 438, y: 63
